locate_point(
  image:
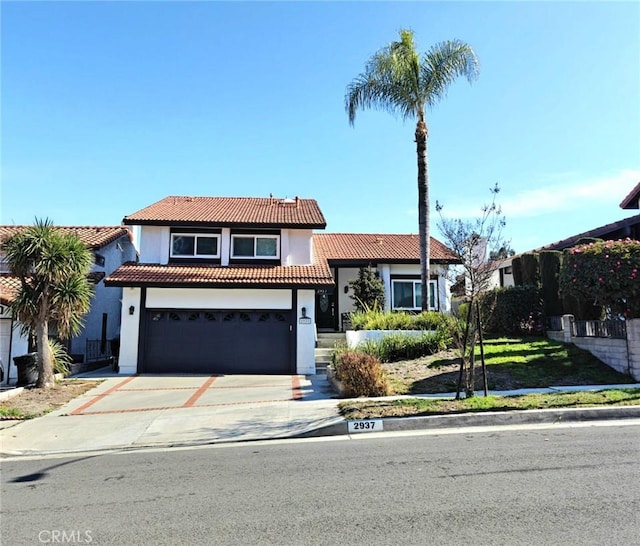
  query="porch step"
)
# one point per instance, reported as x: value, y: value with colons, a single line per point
x: 328, y: 340
x: 324, y: 349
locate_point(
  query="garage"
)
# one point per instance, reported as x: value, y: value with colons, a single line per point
x: 218, y: 341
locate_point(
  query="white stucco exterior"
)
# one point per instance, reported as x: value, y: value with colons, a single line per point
x: 305, y: 333
x: 386, y: 271
x: 221, y: 298
x: 295, y: 245
x: 203, y: 298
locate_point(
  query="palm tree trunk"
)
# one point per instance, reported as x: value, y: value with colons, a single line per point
x: 45, y: 366
x: 423, y: 208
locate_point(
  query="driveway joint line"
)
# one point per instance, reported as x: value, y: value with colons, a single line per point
x: 203, y: 388
x: 102, y: 395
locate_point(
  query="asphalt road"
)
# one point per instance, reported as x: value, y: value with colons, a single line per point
x: 554, y: 486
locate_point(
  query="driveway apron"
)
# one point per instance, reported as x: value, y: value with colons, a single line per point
x: 148, y: 410
x: 151, y: 393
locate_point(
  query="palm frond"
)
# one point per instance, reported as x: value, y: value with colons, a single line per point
x: 389, y: 82
x: 444, y: 63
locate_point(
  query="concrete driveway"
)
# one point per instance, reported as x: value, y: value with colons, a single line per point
x: 148, y: 410
x: 164, y: 392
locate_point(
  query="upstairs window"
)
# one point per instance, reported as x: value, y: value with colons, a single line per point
x: 195, y: 245
x: 255, y: 246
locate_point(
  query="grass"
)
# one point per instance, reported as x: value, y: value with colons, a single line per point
x: 429, y: 406
x: 13, y: 413
x: 540, y: 362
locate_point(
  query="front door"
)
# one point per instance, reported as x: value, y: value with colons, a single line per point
x: 325, y: 310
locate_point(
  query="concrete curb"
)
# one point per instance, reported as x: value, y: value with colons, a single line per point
x: 10, y: 393
x: 483, y: 419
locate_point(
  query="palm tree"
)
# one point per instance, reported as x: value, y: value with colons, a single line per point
x: 52, y: 267
x: 397, y: 79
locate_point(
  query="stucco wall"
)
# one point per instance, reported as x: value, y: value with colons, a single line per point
x: 154, y: 244
x: 128, y: 360
x: 295, y: 245
x: 305, y: 333
x: 204, y: 298
x: 190, y: 298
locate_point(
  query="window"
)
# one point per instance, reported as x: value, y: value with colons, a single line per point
x: 255, y: 246
x: 195, y: 245
x: 407, y: 294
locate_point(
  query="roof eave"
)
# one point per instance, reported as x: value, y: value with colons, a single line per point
x: 257, y: 225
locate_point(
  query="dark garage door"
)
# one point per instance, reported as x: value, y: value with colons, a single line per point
x: 197, y: 341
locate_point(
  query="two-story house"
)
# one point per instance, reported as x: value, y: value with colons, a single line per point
x: 111, y: 247
x: 241, y: 285
x: 224, y: 285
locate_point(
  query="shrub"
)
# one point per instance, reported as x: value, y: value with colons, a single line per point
x: 396, y: 347
x: 516, y: 268
x: 60, y: 359
x: 550, y: 262
x: 606, y: 273
x: 530, y: 269
x: 515, y: 310
x: 368, y: 290
x: 361, y: 375
x: 379, y: 320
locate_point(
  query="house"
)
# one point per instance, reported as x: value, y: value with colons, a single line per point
x: 395, y: 258
x: 621, y: 229
x: 111, y: 247
x: 241, y: 285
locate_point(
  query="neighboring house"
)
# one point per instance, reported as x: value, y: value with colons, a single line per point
x: 239, y: 285
x: 111, y: 247
x: 622, y: 229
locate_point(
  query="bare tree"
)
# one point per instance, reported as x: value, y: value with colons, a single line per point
x: 473, y: 241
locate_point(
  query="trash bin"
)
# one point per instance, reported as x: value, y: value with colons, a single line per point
x: 27, y: 366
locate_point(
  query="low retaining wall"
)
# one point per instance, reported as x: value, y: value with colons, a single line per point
x: 623, y: 355
x: 355, y: 337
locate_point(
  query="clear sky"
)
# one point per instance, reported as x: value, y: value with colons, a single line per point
x: 110, y: 106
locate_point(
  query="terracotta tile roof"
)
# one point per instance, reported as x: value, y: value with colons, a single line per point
x: 627, y: 227
x: 10, y: 285
x: 9, y: 288
x: 377, y: 247
x: 632, y: 201
x: 93, y: 237
x: 231, y: 211
x: 217, y: 276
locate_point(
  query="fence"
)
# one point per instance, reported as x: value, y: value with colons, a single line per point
x: 615, y: 342
x: 98, y: 349
x: 616, y: 329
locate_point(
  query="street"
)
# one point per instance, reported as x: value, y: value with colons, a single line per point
x: 573, y: 485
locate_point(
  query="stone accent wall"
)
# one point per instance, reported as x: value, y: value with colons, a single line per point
x: 633, y: 342
x: 623, y: 355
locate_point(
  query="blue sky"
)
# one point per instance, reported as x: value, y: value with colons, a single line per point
x: 110, y: 106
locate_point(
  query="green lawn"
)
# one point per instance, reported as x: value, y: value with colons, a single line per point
x: 429, y: 406
x: 541, y: 362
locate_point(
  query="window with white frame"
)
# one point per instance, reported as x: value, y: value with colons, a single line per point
x: 406, y: 294
x: 255, y: 246
x: 195, y: 245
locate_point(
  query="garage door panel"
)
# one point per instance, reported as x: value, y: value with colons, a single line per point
x: 213, y: 341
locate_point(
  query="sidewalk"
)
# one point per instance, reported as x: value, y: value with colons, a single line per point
x: 315, y: 414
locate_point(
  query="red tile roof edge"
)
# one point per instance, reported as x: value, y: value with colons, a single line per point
x: 117, y: 232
